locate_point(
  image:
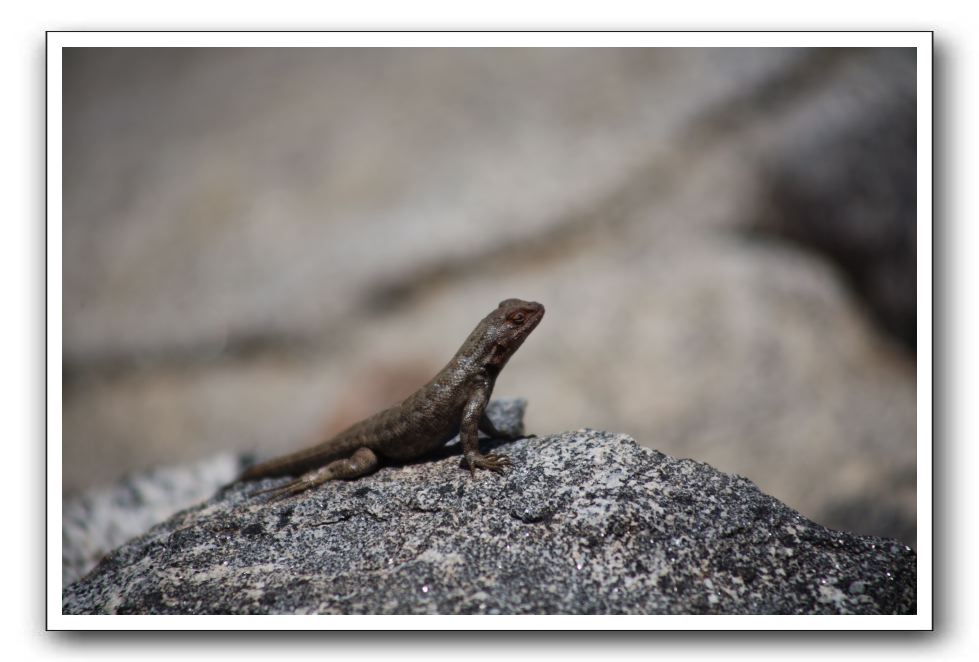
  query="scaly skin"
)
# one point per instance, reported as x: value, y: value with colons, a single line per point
x: 454, y: 402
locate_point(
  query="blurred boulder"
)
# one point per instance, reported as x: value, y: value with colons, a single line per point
x: 845, y: 185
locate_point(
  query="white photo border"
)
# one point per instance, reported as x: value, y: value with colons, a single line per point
x: 922, y: 41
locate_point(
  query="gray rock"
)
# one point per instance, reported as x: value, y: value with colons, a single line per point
x: 584, y: 522
x: 96, y: 521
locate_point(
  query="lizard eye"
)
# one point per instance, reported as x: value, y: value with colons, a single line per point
x: 517, y: 318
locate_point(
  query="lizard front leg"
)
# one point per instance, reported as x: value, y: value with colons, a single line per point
x: 472, y: 417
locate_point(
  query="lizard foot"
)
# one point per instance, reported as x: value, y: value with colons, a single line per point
x: 282, y: 492
x: 361, y: 463
x: 490, y: 461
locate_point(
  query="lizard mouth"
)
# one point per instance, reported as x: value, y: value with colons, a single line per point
x: 536, y: 313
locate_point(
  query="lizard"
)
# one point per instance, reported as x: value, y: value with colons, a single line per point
x: 453, y: 402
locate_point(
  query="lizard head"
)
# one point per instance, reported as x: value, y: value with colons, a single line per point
x: 502, y: 332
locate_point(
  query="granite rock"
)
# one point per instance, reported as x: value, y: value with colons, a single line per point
x: 585, y: 522
x: 97, y: 520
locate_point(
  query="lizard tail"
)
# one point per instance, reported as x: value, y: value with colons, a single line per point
x: 269, y: 469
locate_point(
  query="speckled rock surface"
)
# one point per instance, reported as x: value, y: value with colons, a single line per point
x: 584, y: 522
x: 96, y: 521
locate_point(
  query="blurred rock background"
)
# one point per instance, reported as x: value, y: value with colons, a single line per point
x: 263, y: 245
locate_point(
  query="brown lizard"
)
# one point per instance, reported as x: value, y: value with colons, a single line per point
x: 453, y: 402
